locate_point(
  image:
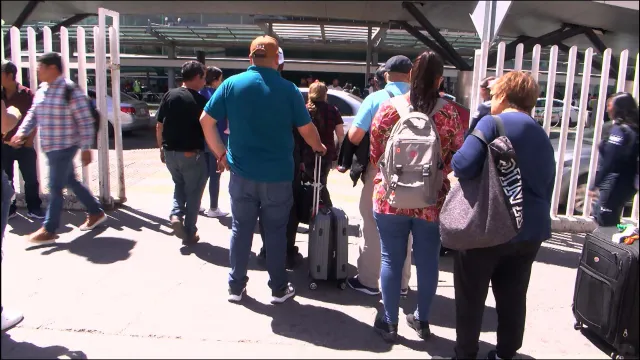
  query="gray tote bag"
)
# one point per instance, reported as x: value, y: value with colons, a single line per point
x: 485, y: 211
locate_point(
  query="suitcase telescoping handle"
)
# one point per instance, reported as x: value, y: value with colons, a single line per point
x: 316, y: 184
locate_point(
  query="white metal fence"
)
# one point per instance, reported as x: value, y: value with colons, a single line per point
x: 101, y: 64
x: 576, y: 191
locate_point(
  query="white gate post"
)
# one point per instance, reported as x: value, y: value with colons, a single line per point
x: 535, y: 67
x: 566, y: 116
x: 64, y: 52
x: 597, y: 130
x: 48, y: 39
x: 101, y: 101
x: 500, y: 59
x: 582, y: 117
x: 82, y: 81
x: 551, y: 85
x: 622, y: 71
x: 475, y: 82
x: 115, y: 91
x: 518, y: 60
x: 33, y: 84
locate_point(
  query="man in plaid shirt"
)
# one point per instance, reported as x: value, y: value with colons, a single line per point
x: 63, y: 128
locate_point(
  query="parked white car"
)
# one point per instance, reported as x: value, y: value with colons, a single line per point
x: 346, y: 103
x: 556, y: 113
x: 134, y: 114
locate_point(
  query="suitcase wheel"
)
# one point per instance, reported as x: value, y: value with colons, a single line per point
x: 342, y: 285
x: 616, y: 356
x: 577, y: 325
x: 313, y: 286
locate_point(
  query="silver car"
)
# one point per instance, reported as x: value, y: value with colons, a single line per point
x: 134, y: 114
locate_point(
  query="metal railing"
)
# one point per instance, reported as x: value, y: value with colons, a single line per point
x: 574, y: 219
x: 102, y: 64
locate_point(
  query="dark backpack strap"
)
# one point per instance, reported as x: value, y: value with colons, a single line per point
x: 477, y: 133
x: 391, y: 95
x: 499, y: 125
x: 440, y: 103
x: 68, y: 92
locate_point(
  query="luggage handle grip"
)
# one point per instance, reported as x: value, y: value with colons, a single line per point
x: 316, y: 184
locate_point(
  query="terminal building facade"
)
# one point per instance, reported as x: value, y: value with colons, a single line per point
x: 154, y: 46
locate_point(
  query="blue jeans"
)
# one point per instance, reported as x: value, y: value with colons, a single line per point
x: 394, y: 236
x: 189, y: 173
x: 272, y: 203
x: 28, y: 163
x: 61, y: 175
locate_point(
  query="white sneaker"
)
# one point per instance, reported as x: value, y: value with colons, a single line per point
x: 216, y: 213
x: 236, y: 297
x: 10, y: 319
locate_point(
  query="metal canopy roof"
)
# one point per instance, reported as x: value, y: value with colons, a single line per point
x: 289, y: 34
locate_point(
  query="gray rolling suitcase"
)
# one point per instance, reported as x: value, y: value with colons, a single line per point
x: 328, y: 239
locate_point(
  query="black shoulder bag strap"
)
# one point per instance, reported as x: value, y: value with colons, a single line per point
x: 499, y: 126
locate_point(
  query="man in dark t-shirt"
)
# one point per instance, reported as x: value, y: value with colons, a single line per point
x: 181, y: 142
x: 14, y: 94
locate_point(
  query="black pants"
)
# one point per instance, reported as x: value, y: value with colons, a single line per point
x: 292, y: 225
x: 27, y: 162
x: 615, y: 192
x: 325, y: 167
x: 508, y: 267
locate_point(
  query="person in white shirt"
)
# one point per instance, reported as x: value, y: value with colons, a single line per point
x: 335, y: 85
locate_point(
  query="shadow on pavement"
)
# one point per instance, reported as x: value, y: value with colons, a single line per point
x: 318, y: 326
x: 22, y: 225
x: 12, y: 349
x: 443, y: 312
x: 597, y: 341
x: 98, y: 250
x: 216, y: 255
x: 128, y: 217
x: 122, y: 217
x: 328, y: 291
x: 561, y: 250
x: 443, y: 347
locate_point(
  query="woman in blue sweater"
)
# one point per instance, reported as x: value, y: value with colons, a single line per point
x: 618, y: 166
x: 213, y: 79
x: 507, y: 266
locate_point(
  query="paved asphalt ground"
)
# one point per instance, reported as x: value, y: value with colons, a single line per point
x: 130, y: 290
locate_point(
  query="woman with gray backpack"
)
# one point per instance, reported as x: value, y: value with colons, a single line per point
x: 497, y: 216
x: 413, y: 138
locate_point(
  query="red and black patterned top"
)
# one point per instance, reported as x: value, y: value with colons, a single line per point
x: 326, y: 118
x: 451, y: 136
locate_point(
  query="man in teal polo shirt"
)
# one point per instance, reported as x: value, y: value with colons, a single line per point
x: 398, y: 80
x: 261, y: 108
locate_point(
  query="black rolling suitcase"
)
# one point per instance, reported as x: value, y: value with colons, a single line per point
x: 606, y: 292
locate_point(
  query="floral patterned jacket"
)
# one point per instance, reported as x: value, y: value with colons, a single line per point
x: 451, y: 136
